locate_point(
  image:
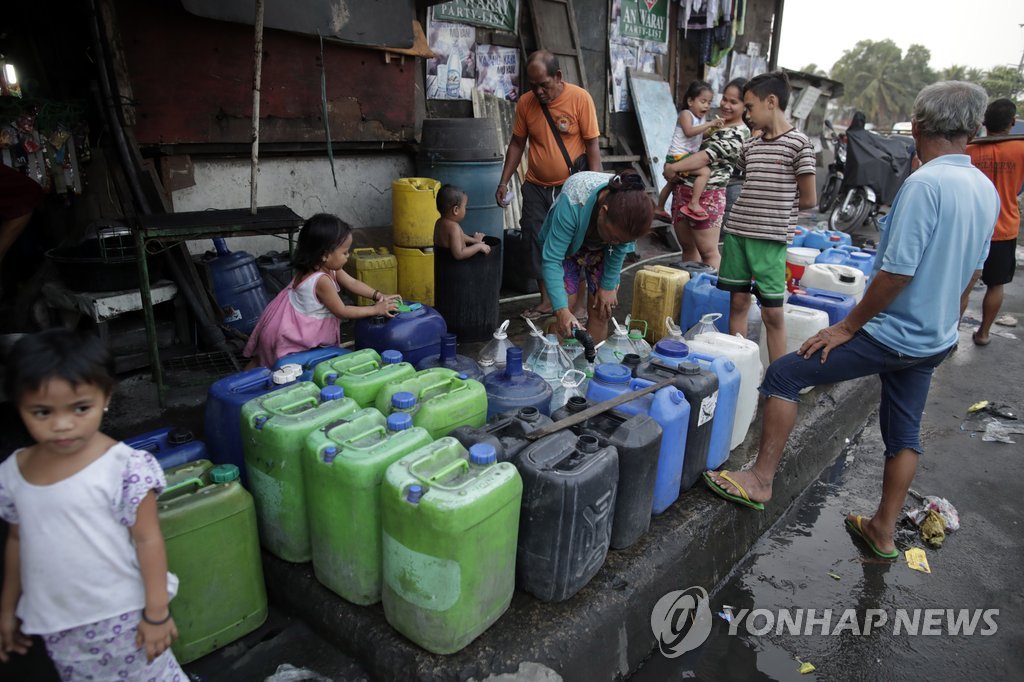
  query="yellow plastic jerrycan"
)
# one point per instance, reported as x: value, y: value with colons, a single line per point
x: 657, y: 294
x: 414, y: 211
x: 377, y: 268
x: 416, y: 274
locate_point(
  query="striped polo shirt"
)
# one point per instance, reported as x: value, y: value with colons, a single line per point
x: 769, y: 202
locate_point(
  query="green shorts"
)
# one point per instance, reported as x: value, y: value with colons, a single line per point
x: 754, y: 265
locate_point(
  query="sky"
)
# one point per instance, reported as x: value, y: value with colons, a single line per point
x: 980, y: 34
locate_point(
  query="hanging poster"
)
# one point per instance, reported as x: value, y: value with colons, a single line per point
x: 622, y: 57
x: 451, y: 73
x: 627, y: 49
x: 500, y: 14
x: 497, y: 71
x: 644, y: 19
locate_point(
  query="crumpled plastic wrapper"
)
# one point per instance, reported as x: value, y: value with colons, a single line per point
x: 933, y: 530
x: 942, y: 507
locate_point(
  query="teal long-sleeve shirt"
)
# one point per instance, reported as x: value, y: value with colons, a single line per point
x: 563, y: 232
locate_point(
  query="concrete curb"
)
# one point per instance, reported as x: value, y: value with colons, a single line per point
x: 604, y: 631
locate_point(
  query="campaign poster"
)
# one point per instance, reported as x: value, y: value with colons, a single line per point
x: 497, y: 71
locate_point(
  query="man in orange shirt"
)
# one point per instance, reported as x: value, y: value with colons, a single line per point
x: 573, y: 114
x: 1003, y: 162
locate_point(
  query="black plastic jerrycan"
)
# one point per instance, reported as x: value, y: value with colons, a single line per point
x: 637, y: 439
x: 700, y: 386
x: 565, y: 525
x: 506, y: 431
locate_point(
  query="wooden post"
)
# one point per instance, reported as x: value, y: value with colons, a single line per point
x: 257, y: 76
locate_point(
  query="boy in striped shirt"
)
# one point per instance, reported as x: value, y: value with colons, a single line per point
x: 780, y: 169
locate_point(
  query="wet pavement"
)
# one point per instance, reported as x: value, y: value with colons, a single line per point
x: 809, y: 561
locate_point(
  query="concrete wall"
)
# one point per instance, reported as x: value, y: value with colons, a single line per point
x: 363, y: 196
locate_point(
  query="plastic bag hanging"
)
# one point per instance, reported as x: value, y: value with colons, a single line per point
x: 492, y: 355
x: 705, y: 326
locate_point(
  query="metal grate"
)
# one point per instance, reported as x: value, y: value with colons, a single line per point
x: 208, y: 364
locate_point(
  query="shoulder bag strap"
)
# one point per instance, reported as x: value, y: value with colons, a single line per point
x: 558, y: 137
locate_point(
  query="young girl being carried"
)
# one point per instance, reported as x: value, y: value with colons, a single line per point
x: 690, y: 128
x: 85, y: 565
x: 305, y: 314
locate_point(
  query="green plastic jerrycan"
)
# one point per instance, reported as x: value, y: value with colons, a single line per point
x: 274, y: 430
x: 209, y: 526
x: 363, y: 373
x: 450, y: 523
x: 445, y: 400
x: 344, y: 465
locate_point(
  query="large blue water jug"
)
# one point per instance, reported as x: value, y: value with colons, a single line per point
x: 515, y: 387
x: 309, y: 359
x: 415, y: 331
x: 700, y: 389
x: 701, y: 295
x: 863, y: 261
x: 237, y: 286
x: 725, y: 406
x: 224, y: 400
x: 832, y: 256
x: 799, y: 236
x: 668, y: 407
x: 816, y: 239
x: 837, y: 305
x: 669, y: 351
x: 449, y: 358
x: 171, y: 446
x: 848, y: 248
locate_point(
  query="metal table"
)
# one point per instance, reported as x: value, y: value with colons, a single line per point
x: 181, y: 227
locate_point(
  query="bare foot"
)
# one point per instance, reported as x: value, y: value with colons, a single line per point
x: 881, y: 538
x: 756, y: 490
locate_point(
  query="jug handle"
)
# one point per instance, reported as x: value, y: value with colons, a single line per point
x: 459, y: 466
x: 372, y: 364
x: 632, y: 322
x: 572, y: 374
x: 452, y: 383
x: 671, y: 327
x: 308, y: 403
x: 711, y: 318
x: 376, y: 428
x: 364, y: 249
x: 198, y: 482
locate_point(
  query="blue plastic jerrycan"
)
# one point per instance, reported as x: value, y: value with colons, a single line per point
x: 171, y: 446
x: 725, y: 405
x: 701, y: 295
x: 837, y: 305
x: 667, y: 406
x: 309, y: 359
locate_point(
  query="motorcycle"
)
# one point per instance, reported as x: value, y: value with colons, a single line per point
x: 830, y: 190
x: 874, y: 168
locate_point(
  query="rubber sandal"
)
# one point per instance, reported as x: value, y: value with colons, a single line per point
x: 693, y: 215
x: 856, y: 530
x: 534, y: 314
x: 741, y: 499
x: 974, y: 337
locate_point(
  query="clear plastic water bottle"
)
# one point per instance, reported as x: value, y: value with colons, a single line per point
x: 706, y: 325
x: 549, y: 361
x: 572, y: 384
x: 492, y: 356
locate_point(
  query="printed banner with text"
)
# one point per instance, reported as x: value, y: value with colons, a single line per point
x: 500, y: 14
x: 644, y: 19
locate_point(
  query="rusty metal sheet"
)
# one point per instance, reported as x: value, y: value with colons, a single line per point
x: 383, y: 23
x: 192, y: 80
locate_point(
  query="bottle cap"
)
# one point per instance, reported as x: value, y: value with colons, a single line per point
x: 281, y: 377
x: 403, y: 400
x: 330, y: 452
x: 587, y: 444
x: 224, y: 473
x: 835, y: 238
x: 399, y: 421
x: 671, y: 348
x: 613, y: 373
x: 391, y: 357
x: 179, y: 436
x: 331, y: 377
x: 331, y: 393
x: 677, y: 397
x: 689, y: 368
x: 847, y: 279
x: 413, y: 494
x: 463, y: 376
x: 294, y: 369
x: 482, y: 454
x: 259, y: 421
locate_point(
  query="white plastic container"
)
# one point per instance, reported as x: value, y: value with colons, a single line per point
x: 745, y: 355
x: 842, y: 279
x: 800, y: 324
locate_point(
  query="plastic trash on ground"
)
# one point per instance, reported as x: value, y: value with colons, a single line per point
x: 940, y: 505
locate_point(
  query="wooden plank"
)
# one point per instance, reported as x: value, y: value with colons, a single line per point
x: 554, y: 25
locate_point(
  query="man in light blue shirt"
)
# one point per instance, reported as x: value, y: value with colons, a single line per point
x: 934, y: 244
